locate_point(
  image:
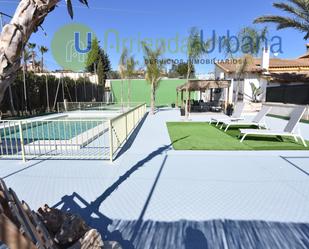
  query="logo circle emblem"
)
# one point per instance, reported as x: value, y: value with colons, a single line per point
x: 71, y: 45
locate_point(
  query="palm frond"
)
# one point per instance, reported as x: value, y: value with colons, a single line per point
x: 246, y: 62
x: 131, y: 66
x: 84, y: 2
x: 122, y: 62
x: 154, y: 65
x: 196, y: 47
x: 70, y: 6
x: 302, y: 4
x: 299, y: 19
x: 31, y: 46
x: 43, y: 49
x: 285, y: 22
x: 292, y: 10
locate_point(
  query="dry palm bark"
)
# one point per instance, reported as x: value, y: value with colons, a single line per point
x: 28, y: 17
x: 21, y: 228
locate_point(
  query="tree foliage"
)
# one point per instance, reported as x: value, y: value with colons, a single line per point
x: 154, y: 69
x: 180, y: 70
x: 80, y: 91
x: 28, y: 17
x: 298, y: 11
x: 98, y: 56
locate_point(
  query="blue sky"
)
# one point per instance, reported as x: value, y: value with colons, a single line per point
x: 138, y: 19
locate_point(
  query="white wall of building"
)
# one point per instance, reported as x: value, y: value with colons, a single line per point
x: 244, y: 87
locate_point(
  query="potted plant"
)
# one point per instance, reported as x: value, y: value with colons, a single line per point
x: 229, y: 109
x: 173, y: 105
x: 256, y: 92
x: 182, y: 111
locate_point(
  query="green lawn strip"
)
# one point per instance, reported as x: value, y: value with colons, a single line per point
x: 202, y: 136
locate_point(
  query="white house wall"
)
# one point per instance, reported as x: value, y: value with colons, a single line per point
x: 244, y: 86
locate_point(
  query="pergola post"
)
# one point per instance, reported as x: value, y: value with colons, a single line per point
x: 227, y: 98
x: 202, y: 86
x: 182, y: 98
x: 211, y: 94
x: 189, y: 102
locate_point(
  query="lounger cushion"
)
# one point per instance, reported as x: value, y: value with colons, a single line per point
x: 264, y: 132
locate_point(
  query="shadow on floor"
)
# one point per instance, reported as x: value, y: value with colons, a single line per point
x: 90, y: 211
x: 214, y: 234
x: 23, y: 169
x: 288, y: 160
x: 132, y: 137
x: 194, y: 238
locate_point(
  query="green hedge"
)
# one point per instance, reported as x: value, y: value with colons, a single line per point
x: 140, y: 89
x: 36, y: 93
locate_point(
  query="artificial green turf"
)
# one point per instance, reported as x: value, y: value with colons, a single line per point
x: 202, y: 136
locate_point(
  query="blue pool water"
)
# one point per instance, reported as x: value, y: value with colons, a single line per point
x: 60, y: 130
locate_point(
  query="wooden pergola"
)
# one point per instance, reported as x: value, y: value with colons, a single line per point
x: 201, y: 86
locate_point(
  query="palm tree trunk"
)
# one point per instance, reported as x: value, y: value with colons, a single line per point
x: 11, y: 101
x: 152, y: 98
x: 25, y: 85
x: 33, y: 61
x: 28, y: 16
x: 121, y: 95
x: 187, y: 94
x: 47, y: 93
x: 129, y: 92
x: 42, y: 63
x: 237, y: 91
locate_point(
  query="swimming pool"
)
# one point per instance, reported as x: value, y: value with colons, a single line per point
x: 49, y: 129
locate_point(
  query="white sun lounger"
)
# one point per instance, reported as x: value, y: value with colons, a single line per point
x: 258, y: 121
x: 289, y: 130
x: 239, y: 107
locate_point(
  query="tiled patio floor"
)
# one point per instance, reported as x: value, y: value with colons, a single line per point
x: 154, y: 197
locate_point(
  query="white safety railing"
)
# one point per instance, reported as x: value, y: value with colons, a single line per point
x: 122, y: 126
x: 284, y: 110
x: 54, y: 139
x: 67, y: 138
x: 95, y: 106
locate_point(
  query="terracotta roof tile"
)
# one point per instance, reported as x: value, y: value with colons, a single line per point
x: 274, y: 63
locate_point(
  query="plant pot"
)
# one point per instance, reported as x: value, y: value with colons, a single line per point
x: 229, y: 110
x: 182, y: 112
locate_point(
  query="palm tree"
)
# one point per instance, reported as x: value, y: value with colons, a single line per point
x: 154, y: 68
x: 298, y: 19
x: 10, y: 89
x: 122, y: 67
x: 196, y: 48
x: 247, y: 52
x: 241, y: 70
x: 28, y: 17
x: 43, y: 50
x: 31, y: 47
x: 26, y: 57
x: 131, y: 64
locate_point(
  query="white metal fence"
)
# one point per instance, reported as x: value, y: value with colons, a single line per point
x: 284, y: 110
x: 95, y: 106
x: 54, y: 139
x: 67, y: 138
x: 122, y: 126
